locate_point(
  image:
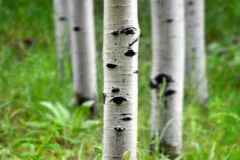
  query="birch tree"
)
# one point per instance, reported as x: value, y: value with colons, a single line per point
x: 62, y: 32
x: 168, y: 74
x: 195, y: 46
x: 121, y: 35
x: 83, y: 51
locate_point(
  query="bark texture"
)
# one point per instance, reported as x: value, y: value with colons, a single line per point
x: 121, y: 35
x: 168, y: 74
x: 61, y: 17
x: 83, y: 51
x: 196, y: 79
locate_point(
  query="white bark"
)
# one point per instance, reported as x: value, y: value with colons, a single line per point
x: 121, y: 35
x: 195, y: 47
x: 168, y: 71
x: 83, y: 50
x: 62, y: 32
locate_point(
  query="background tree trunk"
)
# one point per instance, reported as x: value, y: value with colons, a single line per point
x: 83, y: 51
x: 121, y: 35
x: 195, y: 45
x: 168, y: 73
x: 61, y: 17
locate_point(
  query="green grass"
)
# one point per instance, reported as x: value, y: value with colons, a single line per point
x: 39, y: 123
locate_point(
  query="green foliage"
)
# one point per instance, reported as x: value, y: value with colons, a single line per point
x: 39, y: 123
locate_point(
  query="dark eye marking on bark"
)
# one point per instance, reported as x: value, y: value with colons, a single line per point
x: 115, y: 33
x: 62, y: 18
x: 130, y: 53
x: 118, y: 100
x: 169, y: 20
x: 133, y: 42
x: 129, y: 30
x: 76, y: 28
x: 115, y: 90
x: 126, y: 119
x: 169, y: 92
x: 161, y: 77
x: 110, y: 65
x: 119, y: 129
x: 136, y: 72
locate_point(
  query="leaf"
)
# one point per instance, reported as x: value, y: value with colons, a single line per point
x: 58, y: 113
x: 127, y: 155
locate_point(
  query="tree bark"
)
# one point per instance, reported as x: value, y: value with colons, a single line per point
x: 121, y: 35
x: 168, y: 74
x: 61, y: 18
x: 83, y: 51
x: 196, y: 79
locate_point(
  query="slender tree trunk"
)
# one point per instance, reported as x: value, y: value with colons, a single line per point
x: 62, y: 34
x: 121, y: 35
x: 195, y: 45
x: 83, y: 51
x: 168, y: 73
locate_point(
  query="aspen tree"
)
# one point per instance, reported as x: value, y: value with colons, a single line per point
x: 121, y: 36
x: 168, y: 74
x: 83, y: 51
x: 195, y: 50
x: 62, y: 33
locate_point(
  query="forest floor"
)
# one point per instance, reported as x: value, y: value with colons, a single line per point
x: 38, y: 122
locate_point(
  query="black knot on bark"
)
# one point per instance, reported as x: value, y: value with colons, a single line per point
x: 62, y: 18
x: 136, y: 72
x: 76, y: 28
x: 169, y: 92
x: 130, y: 53
x: 119, y: 100
x: 163, y: 77
x: 119, y: 129
x: 110, y: 65
x: 128, y: 31
x: 126, y: 119
x: 159, y: 80
x: 115, y: 90
x: 169, y: 20
x: 115, y: 33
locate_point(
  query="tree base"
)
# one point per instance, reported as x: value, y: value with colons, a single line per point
x: 79, y: 100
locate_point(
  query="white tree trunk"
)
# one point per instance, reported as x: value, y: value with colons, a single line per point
x: 168, y: 73
x: 62, y: 32
x: 195, y: 46
x: 83, y: 51
x: 121, y: 35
